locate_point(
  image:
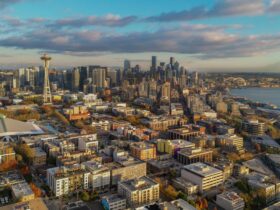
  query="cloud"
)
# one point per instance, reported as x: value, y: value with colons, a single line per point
x: 109, y: 20
x: 222, y: 8
x: 5, y: 3
x: 274, y: 6
x: 203, y: 41
x: 12, y: 21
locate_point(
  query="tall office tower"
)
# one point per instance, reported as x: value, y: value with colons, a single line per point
x: 172, y: 61
x: 21, y: 77
x: 143, y: 88
x: 126, y: 64
x: 165, y: 90
x: 113, y: 75
x: 47, y: 90
x: 84, y: 74
x: 153, y: 89
x: 194, y: 78
x: 99, y: 77
x: 154, y: 62
x: 183, y: 74
x: 75, y: 80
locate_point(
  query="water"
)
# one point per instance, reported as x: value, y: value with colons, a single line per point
x: 263, y: 95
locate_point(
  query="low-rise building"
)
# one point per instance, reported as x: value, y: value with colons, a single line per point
x: 186, y: 186
x: 40, y: 157
x: 99, y: 175
x: 205, y: 176
x: 65, y: 180
x: 125, y: 170
x: 114, y: 202
x: 139, y: 191
x: 270, y: 190
x: 232, y: 143
x: 22, y: 191
x: 143, y: 151
x: 161, y: 123
x: 254, y: 127
x: 88, y: 142
x: 230, y: 201
x: 172, y: 147
x: 77, y: 112
x: 187, y: 133
x: 7, y: 153
x: 189, y: 156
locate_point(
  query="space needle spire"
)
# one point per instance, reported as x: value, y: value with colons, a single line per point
x: 47, y: 90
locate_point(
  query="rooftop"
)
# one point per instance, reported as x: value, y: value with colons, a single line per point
x: 11, y: 127
x: 139, y: 184
x: 21, y: 189
x: 232, y: 196
x: 113, y: 198
x: 274, y: 157
x: 202, y: 169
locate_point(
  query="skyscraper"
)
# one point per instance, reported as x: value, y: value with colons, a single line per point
x: 99, y: 77
x: 154, y: 62
x: 75, y: 80
x: 127, y: 64
x: 165, y: 90
x: 172, y: 61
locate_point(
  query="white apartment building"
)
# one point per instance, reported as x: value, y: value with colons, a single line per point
x: 88, y: 142
x: 139, y: 191
x: 63, y: 180
x: 99, y: 175
x: 203, y: 175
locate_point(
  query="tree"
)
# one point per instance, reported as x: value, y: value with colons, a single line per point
x: 18, y: 157
x: 36, y: 190
x: 243, y: 186
x: 204, y: 203
x: 85, y: 196
x: 61, y: 117
x: 183, y: 196
x: 26, y: 152
x: 8, y: 165
x: 233, y: 157
x: 171, y: 192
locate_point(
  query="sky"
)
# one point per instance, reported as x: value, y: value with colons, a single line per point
x: 203, y: 35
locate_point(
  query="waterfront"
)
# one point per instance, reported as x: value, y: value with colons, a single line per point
x: 263, y: 95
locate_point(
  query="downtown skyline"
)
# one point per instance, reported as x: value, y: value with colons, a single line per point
x: 222, y: 35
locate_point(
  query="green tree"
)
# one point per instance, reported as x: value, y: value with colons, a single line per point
x: 183, y: 196
x: 26, y: 152
x: 19, y: 157
x: 85, y: 196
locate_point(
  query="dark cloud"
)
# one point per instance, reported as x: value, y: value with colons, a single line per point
x: 200, y: 40
x: 274, y: 6
x: 222, y: 8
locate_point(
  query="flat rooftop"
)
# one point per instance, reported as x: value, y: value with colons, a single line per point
x: 139, y: 184
x: 21, y: 189
x: 35, y: 204
x: 201, y: 169
x: 231, y: 196
x: 113, y: 198
x: 181, y: 142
